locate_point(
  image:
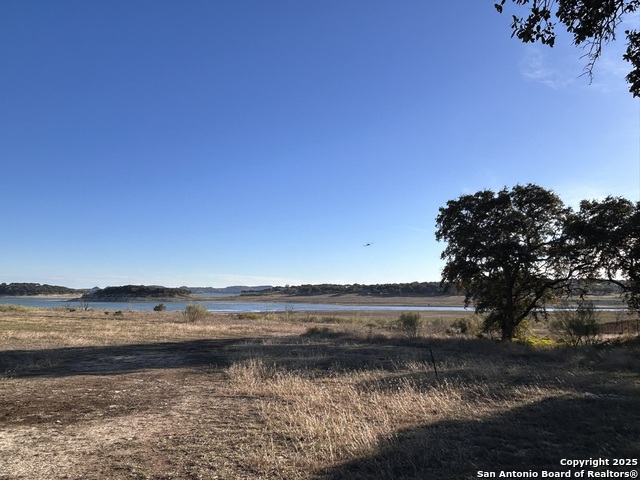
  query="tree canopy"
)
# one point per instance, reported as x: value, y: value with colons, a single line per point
x: 126, y: 292
x: 20, y: 289
x: 386, y: 289
x: 592, y: 23
x: 609, y: 235
x: 505, y: 252
x: 513, y: 252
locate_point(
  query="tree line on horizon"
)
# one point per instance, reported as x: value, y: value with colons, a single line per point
x: 31, y: 289
x: 420, y: 289
x: 391, y: 289
x: 426, y: 289
x: 136, y: 291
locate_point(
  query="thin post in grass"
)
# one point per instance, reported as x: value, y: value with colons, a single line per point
x: 433, y: 361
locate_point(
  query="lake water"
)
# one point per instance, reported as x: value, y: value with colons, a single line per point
x: 214, y: 306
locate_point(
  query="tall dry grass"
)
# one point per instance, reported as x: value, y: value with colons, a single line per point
x: 41, y: 328
x: 356, y: 400
x: 313, y: 421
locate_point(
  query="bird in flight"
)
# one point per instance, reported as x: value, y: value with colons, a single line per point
x: 368, y: 244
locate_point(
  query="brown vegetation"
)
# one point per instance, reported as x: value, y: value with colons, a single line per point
x: 295, y: 395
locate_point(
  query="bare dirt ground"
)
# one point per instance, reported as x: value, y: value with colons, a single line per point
x: 85, y: 395
x: 84, y: 407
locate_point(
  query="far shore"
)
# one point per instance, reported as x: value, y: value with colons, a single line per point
x: 328, y: 299
x: 58, y: 296
x: 350, y: 299
x: 604, y: 301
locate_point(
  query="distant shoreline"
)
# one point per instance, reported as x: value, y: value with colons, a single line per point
x: 123, y: 299
x: 60, y: 296
x: 328, y: 299
x: 350, y: 299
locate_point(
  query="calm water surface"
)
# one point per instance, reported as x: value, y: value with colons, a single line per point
x: 231, y: 307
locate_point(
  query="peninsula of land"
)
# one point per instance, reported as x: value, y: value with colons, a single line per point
x: 35, y: 289
x: 138, y: 293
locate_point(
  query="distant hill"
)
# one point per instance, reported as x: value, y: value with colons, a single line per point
x: 137, y: 293
x: 426, y: 289
x: 30, y: 289
x: 414, y: 289
x: 233, y: 290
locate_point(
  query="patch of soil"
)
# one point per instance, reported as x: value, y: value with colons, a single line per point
x: 130, y: 411
x: 150, y: 424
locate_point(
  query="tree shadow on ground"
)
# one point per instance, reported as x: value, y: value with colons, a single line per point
x: 599, y: 420
x: 289, y: 353
x: 465, y: 360
x: 320, y: 354
x: 533, y: 437
x: 110, y: 360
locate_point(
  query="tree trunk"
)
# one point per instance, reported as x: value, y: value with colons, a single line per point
x: 508, y: 321
x: 508, y: 330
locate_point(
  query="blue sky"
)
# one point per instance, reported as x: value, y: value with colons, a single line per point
x: 215, y: 143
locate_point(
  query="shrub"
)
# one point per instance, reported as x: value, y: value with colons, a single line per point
x: 409, y: 323
x: 466, y: 325
x: 438, y: 325
x: 576, y: 327
x: 161, y: 307
x: 249, y: 316
x: 523, y: 330
x: 195, y: 313
x: 14, y: 308
x: 536, y: 342
x: 323, y: 332
x: 312, y: 331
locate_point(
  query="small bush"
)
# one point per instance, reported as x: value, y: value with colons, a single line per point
x: 523, y: 329
x: 161, y: 307
x: 323, y: 332
x: 466, y: 326
x: 249, y: 316
x: 312, y: 331
x: 409, y: 324
x: 195, y: 313
x: 536, y: 342
x: 576, y: 327
x: 439, y: 325
x: 14, y: 308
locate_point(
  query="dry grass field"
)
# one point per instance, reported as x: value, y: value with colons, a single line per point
x: 292, y: 395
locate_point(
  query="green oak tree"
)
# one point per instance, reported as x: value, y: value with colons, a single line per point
x: 608, y: 232
x: 592, y: 23
x: 507, y: 252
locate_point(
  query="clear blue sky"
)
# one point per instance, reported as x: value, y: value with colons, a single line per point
x: 215, y: 143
